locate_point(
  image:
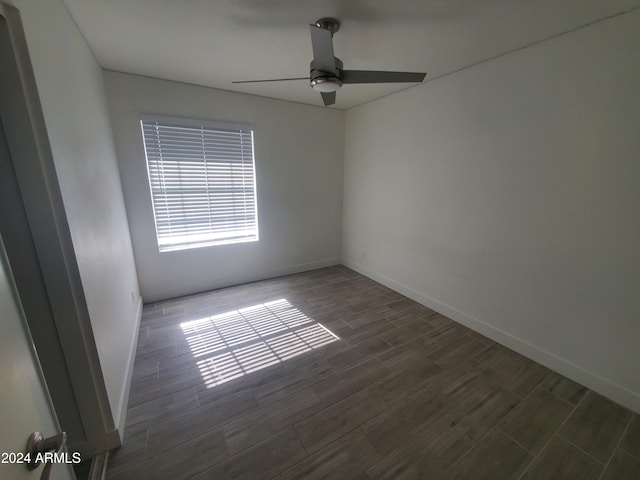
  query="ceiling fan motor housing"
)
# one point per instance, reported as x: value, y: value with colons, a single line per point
x: 326, y: 81
x: 328, y: 23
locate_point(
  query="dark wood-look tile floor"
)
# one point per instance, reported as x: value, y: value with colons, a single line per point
x: 328, y: 374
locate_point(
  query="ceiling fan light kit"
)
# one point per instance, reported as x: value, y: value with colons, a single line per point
x: 326, y: 71
x: 322, y: 81
x: 326, y: 84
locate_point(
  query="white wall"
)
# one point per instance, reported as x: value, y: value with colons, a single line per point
x: 71, y: 89
x: 299, y: 166
x: 507, y: 196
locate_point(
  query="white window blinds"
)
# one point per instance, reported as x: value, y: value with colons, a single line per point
x: 202, y: 181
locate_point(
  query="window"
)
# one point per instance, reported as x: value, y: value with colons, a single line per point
x: 202, y: 179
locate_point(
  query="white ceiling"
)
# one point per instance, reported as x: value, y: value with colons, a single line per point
x: 213, y: 42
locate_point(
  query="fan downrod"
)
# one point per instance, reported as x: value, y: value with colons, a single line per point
x: 328, y: 23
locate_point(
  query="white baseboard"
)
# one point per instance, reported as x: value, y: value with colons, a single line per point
x: 121, y: 416
x: 595, y: 382
x: 280, y: 272
x: 304, y: 267
x: 243, y: 278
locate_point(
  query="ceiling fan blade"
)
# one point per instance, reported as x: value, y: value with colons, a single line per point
x: 329, y: 98
x: 322, y: 46
x: 272, y: 80
x: 372, y: 76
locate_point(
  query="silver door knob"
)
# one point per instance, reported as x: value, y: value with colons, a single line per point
x: 37, y: 448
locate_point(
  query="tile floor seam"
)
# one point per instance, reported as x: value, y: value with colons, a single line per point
x: 146, y: 442
x: 551, y: 437
x: 164, y: 453
x: 487, y: 347
x: 515, y: 378
x: 239, y: 452
x: 177, y: 392
x: 219, y: 426
x: 520, y: 402
x: 629, y: 453
x: 615, y: 449
x: 126, y: 467
x: 478, y: 440
x: 381, y: 454
x: 471, y: 334
x: 357, y: 364
x: 580, y: 448
x: 253, y: 412
x: 557, y: 397
x: 310, y: 387
x: 253, y: 395
x: 516, y: 442
x: 300, y: 440
x: 273, y: 433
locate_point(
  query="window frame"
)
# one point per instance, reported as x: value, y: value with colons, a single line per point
x: 196, y: 123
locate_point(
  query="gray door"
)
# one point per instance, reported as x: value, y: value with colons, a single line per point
x: 25, y: 406
x: 24, y: 402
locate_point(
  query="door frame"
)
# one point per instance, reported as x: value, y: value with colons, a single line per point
x: 45, y: 266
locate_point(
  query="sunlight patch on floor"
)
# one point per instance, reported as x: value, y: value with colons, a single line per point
x: 232, y: 344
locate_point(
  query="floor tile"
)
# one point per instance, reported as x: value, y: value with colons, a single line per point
x: 596, y: 426
x: 397, y: 336
x: 622, y: 467
x: 132, y: 451
x: 410, y: 353
x: 261, y: 424
x: 460, y: 383
x: 439, y: 337
x: 156, y: 388
x: 535, y: 420
x: 144, y: 371
x: 439, y: 320
x: 358, y: 353
x: 527, y: 378
x: 458, y: 352
x: 494, y: 457
x: 177, y: 429
x: 346, y: 458
x: 631, y: 439
x: 562, y: 461
x: 427, y: 454
x: 286, y: 383
x: 181, y: 462
x: 365, y: 332
x: 564, y: 388
x: 406, y: 381
x: 481, y: 409
x: 142, y: 416
x: 262, y: 461
x: 413, y: 324
x: 387, y: 430
x: 343, y: 384
x: 511, y: 370
x: 326, y: 426
x: 482, y: 338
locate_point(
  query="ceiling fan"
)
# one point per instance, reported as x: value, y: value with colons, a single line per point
x: 327, y: 74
